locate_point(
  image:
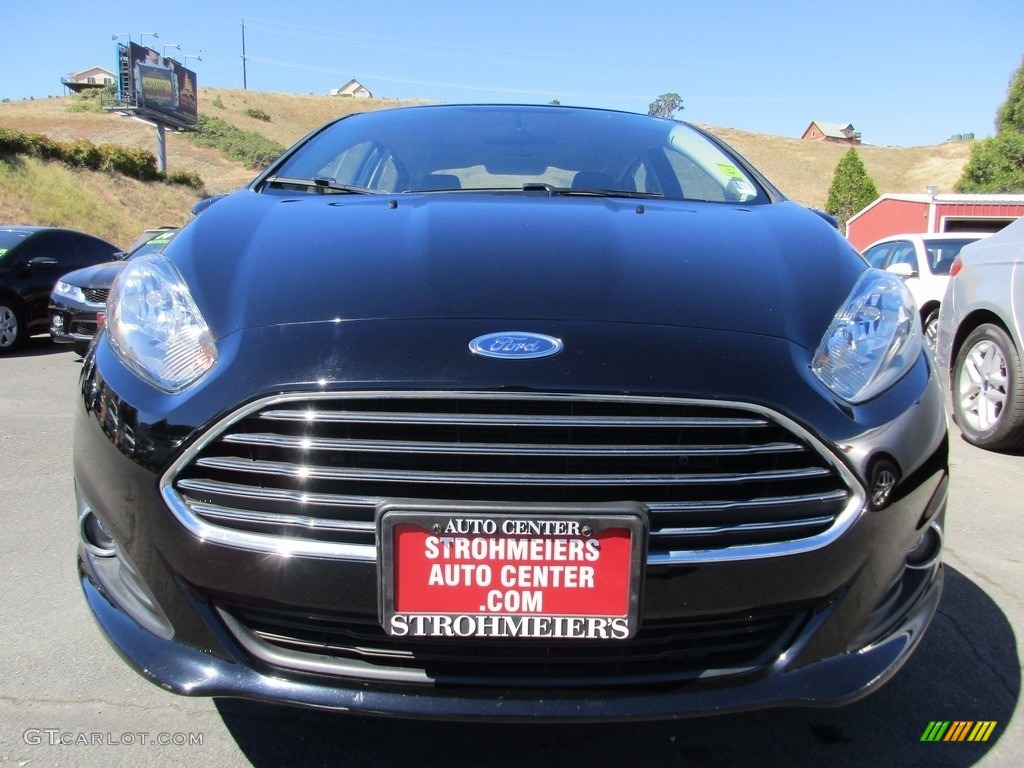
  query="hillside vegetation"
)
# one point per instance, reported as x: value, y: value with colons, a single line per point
x: 116, y: 208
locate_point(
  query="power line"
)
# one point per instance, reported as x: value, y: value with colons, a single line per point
x: 438, y: 84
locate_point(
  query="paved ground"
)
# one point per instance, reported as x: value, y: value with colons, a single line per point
x: 66, y: 699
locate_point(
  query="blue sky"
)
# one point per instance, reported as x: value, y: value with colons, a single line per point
x: 904, y: 73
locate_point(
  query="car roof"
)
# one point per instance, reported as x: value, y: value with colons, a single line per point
x: 919, y: 236
x: 31, y: 229
x: 15, y: 236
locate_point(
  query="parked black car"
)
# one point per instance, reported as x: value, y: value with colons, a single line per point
x: 32, y: 259
x: 79, y: 299
x: 511, y: 412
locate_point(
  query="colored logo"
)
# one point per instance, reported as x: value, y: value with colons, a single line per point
x: 959, y: 730
x: 515, y: 345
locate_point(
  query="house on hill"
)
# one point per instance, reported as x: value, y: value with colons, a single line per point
x: 352, y: 88
x: 96, y: 77
x: 839, y: 133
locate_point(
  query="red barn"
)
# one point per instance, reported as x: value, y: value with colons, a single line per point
x: 896, y: 214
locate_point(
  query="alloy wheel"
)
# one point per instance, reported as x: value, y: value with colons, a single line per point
x: 981, y: 386
x: 8, y: 327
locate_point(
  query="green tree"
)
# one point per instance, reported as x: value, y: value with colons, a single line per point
x: 1011, y: 113
x: 666, y: 105
x: 997, y: 164
x: 852, y: 189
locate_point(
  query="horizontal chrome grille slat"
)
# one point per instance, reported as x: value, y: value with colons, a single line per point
x: 396, y: 446
x: 370, y: 502
x: 499, y: 420
x: 306, y: 472
x: 214, y: 512
x: 272, y: 494
x: 491, y: 478
x: 721, y: 506
x: 709, y: 530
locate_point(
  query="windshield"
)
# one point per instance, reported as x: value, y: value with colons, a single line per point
x: 941, y: 253
x: 557, y: 149
x: 155, y: 244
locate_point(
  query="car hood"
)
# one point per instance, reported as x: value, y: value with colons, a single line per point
x: 257, y: 260
x: 96, y: 276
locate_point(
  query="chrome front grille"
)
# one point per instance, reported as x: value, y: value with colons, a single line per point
x: 663, y: 652
x: 307, y: 472
x: 83, y: 328
x: 96, y: 295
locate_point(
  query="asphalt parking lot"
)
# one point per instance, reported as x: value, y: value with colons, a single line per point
x: 66, y: 699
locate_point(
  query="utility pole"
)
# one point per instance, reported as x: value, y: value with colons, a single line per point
x: 245, y: 85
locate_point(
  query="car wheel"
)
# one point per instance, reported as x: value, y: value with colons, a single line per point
x: 931, y: 328
x: 12, y: 326
x: 988, y: 390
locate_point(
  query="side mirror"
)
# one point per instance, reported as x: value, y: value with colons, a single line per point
x: 42, y: 262
x: 902, y: 270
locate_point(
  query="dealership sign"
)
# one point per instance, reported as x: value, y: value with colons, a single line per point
x: 463, y: 573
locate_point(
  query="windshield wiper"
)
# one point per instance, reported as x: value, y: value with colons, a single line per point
x: 552, y: 190
x: 322, y: 184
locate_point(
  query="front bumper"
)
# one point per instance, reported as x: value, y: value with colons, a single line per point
x: 837, y: 680
x: 191, y: 613
x: 74, y: 323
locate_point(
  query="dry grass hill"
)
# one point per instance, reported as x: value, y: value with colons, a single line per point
x: 34, y: 192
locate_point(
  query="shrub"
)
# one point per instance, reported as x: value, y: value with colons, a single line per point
x: 83, y: 154
x: 259, y: 114
x: 252, y: 149
x: 217, y: 102
x: 14, y: 142
x: 129, y: 161
x: 185, y: 178
x: 44, y: 147
x: 89, y: 101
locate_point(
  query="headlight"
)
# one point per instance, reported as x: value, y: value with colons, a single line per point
x: 874, y: 339
x: 68, y: 291
x: 155, y: 327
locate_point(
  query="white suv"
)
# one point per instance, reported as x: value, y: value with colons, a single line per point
x: 923, y: 260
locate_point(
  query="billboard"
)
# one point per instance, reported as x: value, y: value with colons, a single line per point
x: 159, y: 88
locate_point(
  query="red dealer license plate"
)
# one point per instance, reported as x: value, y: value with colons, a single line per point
x: 510, y: 574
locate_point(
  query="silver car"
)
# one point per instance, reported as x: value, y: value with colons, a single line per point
x: 979, y: 341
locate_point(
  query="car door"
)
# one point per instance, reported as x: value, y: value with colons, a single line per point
x: 903, y: 260
x: 40, y: 264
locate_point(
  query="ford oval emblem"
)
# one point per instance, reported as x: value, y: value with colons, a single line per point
x: 516, y: 345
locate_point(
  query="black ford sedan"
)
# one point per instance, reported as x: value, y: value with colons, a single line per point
x: 511, y: 412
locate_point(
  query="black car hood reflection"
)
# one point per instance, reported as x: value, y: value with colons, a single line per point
x: 515, y: 257
x: 98, y: 276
